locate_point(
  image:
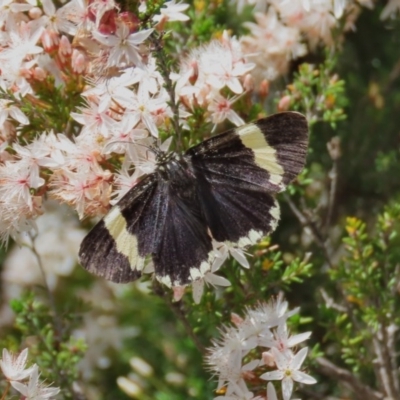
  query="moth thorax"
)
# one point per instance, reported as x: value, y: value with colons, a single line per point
x: 174, y: 168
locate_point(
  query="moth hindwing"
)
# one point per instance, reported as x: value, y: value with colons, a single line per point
x: 222, y: 189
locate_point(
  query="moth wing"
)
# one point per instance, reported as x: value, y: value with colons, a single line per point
x: 239, y: 170
x: 111, y: 248
x: 184, y: 245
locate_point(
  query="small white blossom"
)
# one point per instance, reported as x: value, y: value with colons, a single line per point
x: 250, y: 333
x: 55, y: 19
x: 35, y: 390
x: 172, y: 11
x: 145, y: 109
x: 14, y: 367
x: 288, y: 371
x: 7, y: 109
x: 124, y: 46
x: 209, y: 278
x: 222, y: 252
x: 281, y: 339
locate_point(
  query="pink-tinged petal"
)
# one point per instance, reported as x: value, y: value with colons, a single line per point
x: 299, y: 358
x: 272, y: 376
x: 302, y: 377
x: 178, y: 291
x: 287, y: 388
x: 296, y: 339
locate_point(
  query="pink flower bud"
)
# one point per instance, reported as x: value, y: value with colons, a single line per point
x: 179, y: 291
x: 248, y: 83
x: 264, y: 88
x: 35, y: 13
x: 268, y: 359
x: 50, y: 40
x: 39, y: 74
x: 65, y: 46
x: 236, y: 319
x: 78, y: 61
x: 284, y: 103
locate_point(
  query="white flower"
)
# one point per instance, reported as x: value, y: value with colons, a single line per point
x: 76, y: 11
x: 124, y: 180
x: 222, y: 251
x: 209, y: 278
x: 145, y: 108
x: 221, y: 109
x: 7, y: 109
x: 23, y: 40
x: 282, y: 341
x: 55, y: 19
x: 172, y: 11
x: 272, y: 313
x: 124, y: 46
x: 147, y: 76
x: 13, y: 367
x: 16, y: 181
x: 124, y: 136
x: 95, y: 120
x: 10, y: 7
x: 114, y: 89
x: 391, y: 8
x: 35, y: 390
x: 226, y: 356
x: 288, y: 371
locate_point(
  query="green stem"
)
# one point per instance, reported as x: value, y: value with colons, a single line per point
x: 165, y: 70
x: 179, y: 313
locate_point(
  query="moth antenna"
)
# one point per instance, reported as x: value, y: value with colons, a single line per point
x: 151, y: 147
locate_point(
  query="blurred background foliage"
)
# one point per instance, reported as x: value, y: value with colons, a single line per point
x: 336, y: 252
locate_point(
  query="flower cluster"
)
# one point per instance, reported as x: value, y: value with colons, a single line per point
x: 285, y: 30
x: 36, y: 47
x: 210, y: 71
x: 258, y: 342
x: 25, y: 380
x: 123, y: 111
x: 105, y: 55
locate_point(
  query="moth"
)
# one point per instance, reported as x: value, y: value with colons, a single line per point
x: 222, y: 189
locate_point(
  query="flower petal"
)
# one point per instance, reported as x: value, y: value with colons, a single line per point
x: 272, y: 376
x: 299, y: 358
